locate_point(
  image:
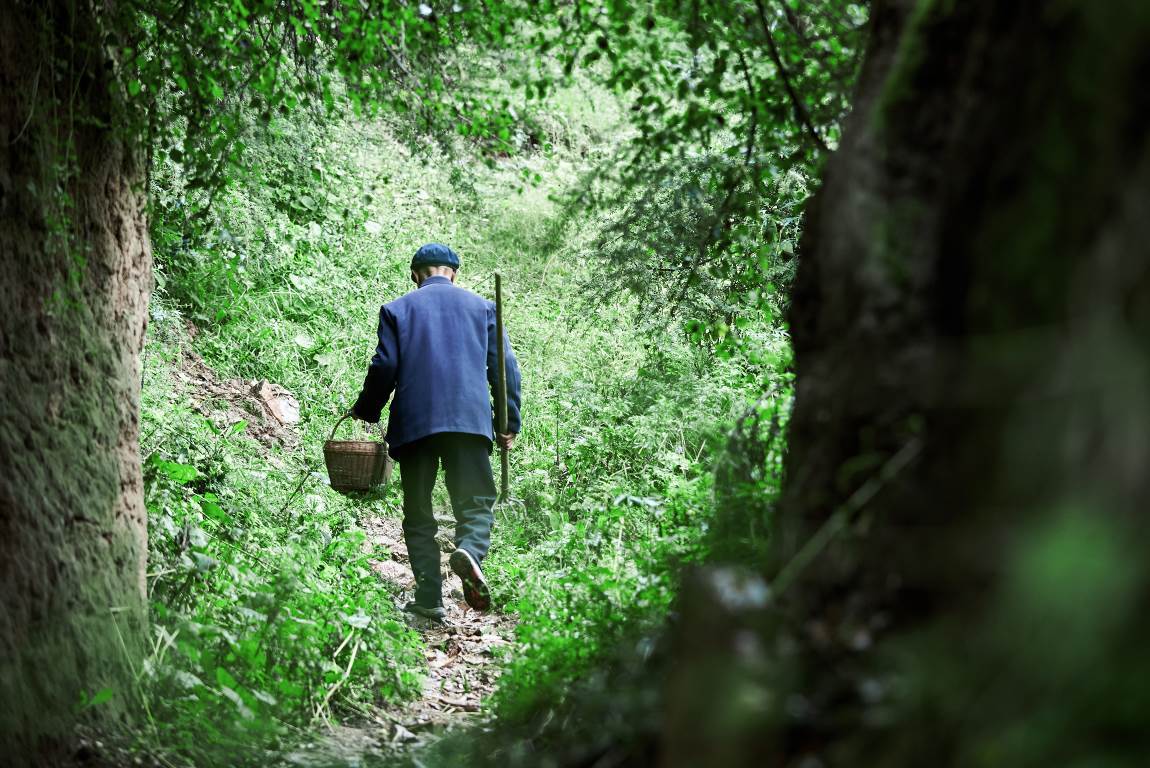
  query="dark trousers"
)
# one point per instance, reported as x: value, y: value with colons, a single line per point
x: 467, y: 471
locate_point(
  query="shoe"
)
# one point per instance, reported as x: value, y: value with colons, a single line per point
x: 475, y: 590
x: 435, y: 613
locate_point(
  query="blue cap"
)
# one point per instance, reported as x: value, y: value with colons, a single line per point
x: 434, y: 255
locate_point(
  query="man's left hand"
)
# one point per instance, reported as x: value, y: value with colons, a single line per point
x: 505, y: 441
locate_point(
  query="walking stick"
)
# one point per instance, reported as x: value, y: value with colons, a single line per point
x: 501, y: 388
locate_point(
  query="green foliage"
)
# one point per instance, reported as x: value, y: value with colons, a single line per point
x: 265, y: 615
x: 781, y: 71
x: 699, y: 242
x: 283, y: 281
x: 627, y: 500
x: 614, y: 482
x: 267, y: 612
x: 269, y: 59
x: 734, y: 104
x: 592, y: 583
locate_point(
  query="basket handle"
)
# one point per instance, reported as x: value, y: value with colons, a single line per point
x: 342, y: 419
x: 350, y: 412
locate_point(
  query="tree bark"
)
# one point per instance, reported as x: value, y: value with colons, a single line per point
x: 957, y: 571
x: 74, y: 282
x: 973, y: 306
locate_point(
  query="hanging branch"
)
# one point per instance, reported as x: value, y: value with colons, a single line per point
x: 752, y: 129
x: 800, y: 108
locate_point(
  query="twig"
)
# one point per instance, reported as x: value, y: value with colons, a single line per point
x: 31, y: 108
x: 801, y: 112
x: 343, y: 645
x: 343, y: 679
x: 459, y: 704
x: 306, y: 474
x: 754, y: 124
x: 841, y: 516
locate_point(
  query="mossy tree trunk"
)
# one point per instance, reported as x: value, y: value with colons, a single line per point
x: 74, y: 281
x: 958, y: 563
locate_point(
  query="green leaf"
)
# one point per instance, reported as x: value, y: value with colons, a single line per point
x: 102, y: 696
x: 290, y: 689
x: 216, y: 512
x: 178, y: 473
x: 224, y: 678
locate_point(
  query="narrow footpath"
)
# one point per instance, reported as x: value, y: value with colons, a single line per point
x: 463, y: 656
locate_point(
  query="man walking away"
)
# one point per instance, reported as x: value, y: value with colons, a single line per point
x: 438, y: 353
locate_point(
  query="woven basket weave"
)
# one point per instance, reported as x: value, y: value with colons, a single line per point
x: 356, y: 465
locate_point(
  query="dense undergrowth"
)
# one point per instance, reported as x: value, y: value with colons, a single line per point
x: 267, y: 615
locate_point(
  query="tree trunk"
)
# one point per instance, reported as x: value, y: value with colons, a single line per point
x: 74, y: 281
x: 958, y: 568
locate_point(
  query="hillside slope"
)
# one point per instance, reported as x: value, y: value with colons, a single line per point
x: 271, y: 613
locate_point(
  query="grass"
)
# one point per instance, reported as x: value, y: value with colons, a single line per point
x: 268, y: 617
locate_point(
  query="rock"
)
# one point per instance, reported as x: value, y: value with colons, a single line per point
x: 397, y: 573
x: 402, y: 735
x: 269, y: 411
x: 279, y: 402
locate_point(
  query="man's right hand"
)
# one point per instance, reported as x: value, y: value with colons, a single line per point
x: 505, y: 441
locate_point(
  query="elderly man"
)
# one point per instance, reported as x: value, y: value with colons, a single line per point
x: 438, y: 352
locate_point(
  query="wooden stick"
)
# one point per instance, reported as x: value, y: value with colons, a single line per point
x: 501, y: 389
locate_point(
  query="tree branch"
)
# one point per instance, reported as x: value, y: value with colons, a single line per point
x: 801, y: 113
x: 754, y: 122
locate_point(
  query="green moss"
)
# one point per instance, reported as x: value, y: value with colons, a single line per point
x: 898, y: 85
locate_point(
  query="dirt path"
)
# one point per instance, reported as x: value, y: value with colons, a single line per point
x: 463, y: 656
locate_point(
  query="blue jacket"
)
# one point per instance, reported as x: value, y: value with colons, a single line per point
x: 437, y: 352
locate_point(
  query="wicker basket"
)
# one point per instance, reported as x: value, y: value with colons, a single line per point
x: 356, y: 465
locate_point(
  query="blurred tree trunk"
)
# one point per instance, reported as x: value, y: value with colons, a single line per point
x: 958, y: 563
x: 74, y: 281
